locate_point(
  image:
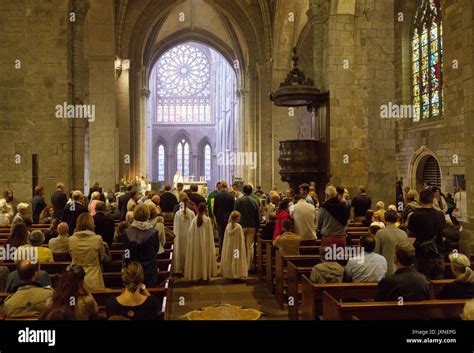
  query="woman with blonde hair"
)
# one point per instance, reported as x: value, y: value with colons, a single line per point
x: 87, y: 250
x: 200, y: 250
x: 234, y: 258
x: 95, y: 197
x: 181, y: 224
x: 135, y: 302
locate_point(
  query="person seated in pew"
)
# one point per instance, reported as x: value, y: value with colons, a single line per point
x: 58, y: 314
x: 375, y: 227
x: 18, y: 236
x: 4, y: 273
x: 30, y: 297
x: 328, y: 270
x: 120, y: 232
x: 406, y: 284
x: 368, y: 266
x: 468, y: 311
x: 71, y: 294
x: 46, y: 216
x: 52, y: 232
x: 36, y: 240
x: 14, y: 280
x: 135, y: 302
x: 463, y: 285
x: 60, y: 244
x: 368, y: 218
x: 269, y: 228
x: 288, y: 242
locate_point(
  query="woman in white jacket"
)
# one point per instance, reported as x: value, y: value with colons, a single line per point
x: 234, y: 258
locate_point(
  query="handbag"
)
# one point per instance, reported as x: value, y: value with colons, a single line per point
x: 429, y: 248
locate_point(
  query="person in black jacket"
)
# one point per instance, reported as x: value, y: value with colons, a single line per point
x: 73, y: 210
x: 196, y: 197
x: 167, y: 202
x: 361, y: 203
x: 463, y: 286
x: 96, y: 187
x: 38, y: 204
x: 143, y: 243
x: 123, y: 201
x: 426, y: 224
x: 406, y: 284
x: 59, y: 200
x: 104, y: 223
x: 223, y: 206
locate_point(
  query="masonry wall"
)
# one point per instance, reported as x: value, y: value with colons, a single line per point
x: 35, y: 33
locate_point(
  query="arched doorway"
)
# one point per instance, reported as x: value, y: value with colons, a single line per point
x: 424, y: 169
x: 192, y: 114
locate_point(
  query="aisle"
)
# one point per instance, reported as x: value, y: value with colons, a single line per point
x: 251, y: 295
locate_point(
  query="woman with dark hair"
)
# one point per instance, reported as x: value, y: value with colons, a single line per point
x: 46, y: 216
x: 52, y: 232
x: 200, y: 251
x: 369, y: 218
x: 18, y: 236
x: 71, y: 295
x: 281, y: 214
x: 135, y: 302
x: 120, y: 234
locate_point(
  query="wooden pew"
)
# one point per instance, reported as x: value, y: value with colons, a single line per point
x: 295, y: 273
x: 280, y: 270
x: 312, y: 294
x: 421, y: 310
x: 261, y: 256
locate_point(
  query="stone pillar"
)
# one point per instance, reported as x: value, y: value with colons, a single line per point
x: 78, y: 83
x: 142, y: 137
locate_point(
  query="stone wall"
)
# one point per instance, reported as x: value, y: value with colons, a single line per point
x: 36, y: 34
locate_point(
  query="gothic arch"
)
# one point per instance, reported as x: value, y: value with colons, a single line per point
x: 417, y: 164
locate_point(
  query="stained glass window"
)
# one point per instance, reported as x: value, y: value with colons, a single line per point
x: 207, y: 162
x: 183, y: 79
x: 161, y: 163
x: 427, y: 49
x: 182, y: 154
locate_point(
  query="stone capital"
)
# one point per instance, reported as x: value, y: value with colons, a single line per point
x: 318, y: 11
x: 80, y: 8
x: 145, y: 92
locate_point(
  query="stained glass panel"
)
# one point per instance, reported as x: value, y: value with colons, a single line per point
x: 161, y: 163
x: 427, y: 45
x: 182, y: 84
x: 207, y: 162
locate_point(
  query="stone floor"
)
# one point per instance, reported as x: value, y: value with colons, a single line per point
x: 250, y: 293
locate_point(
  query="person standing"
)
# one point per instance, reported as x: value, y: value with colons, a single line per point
x: 223, y: 206
x: 59, y: 200
x: 332, y: 220
x: 182, y: 221
x: 304, y: 192
x: 361, y: 203
x: 304, y: 215
x: 87, y: 250
x: 123, y: 202
x: 168, y: 202
x: 281, y: 214
x: 38, y: 204
x: 104, y: 223
x: 72, y: 210
x: 200, y: 251
x: 426, y: 224
x: 387, y: 239
x: 249, y: 220
x: 234, y: 263
x: 460, y: 212
x: 210, y: 200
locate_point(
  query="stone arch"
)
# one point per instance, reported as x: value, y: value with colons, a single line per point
x: 417, y: 164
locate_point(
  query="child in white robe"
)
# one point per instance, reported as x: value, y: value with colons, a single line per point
x: 181, y: 224
x: 200, y: 251
x: 234, y: 258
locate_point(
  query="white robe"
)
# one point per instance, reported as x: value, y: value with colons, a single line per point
x: 234, y: 258
x: 181, y: 226
x: 200, y: 252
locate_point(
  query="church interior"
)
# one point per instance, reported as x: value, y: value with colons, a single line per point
x: 199, y: 159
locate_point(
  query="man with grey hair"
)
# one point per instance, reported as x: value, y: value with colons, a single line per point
x: 73, y: 210
x: 22, y: 213
x: 60, y: 244
x: 332, y: 220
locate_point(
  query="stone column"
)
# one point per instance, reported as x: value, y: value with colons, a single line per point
x: 142, y: 138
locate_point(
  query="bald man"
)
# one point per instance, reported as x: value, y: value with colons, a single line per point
x: 30, y: 298
x: 60, y: 244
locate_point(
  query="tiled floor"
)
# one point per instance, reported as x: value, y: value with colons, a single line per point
x: 249, y: 294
